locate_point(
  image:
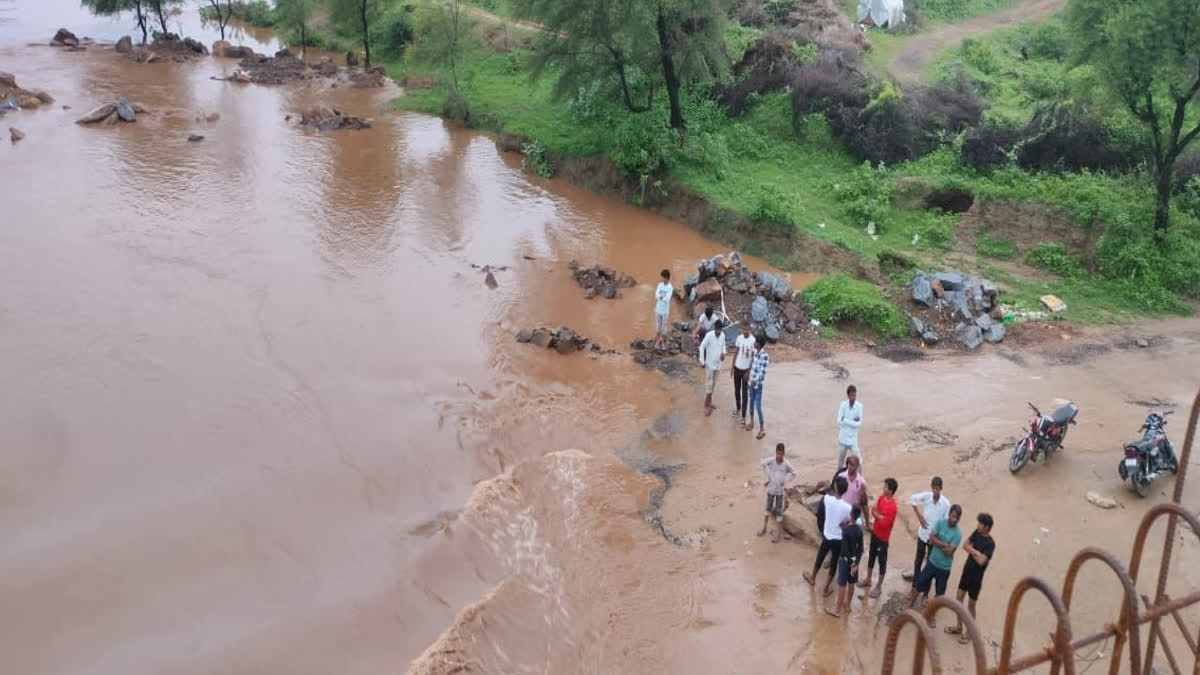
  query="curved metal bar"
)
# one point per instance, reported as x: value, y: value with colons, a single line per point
x: 1127, y: 628
x: 1139, y: 541
x: 971, y: 629
x: 924, y: 643
x: 1061, y: 652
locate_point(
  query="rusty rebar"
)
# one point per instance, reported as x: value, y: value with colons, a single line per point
x: 924, y: 637
x: 1060, y: 651
x: 1129, y: 606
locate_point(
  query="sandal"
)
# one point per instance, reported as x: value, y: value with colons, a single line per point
x: 874, y: 593
x: 761, y: 435
x: 832, y: 613
x: 808, y: 577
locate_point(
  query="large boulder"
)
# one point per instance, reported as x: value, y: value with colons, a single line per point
x: 772, y: 333
x: 195, y: 45
x: 8, y: 80
x: 968, y: 335
x: 565, y: 340
x: 960, y: 308
x: 707, y: 291
x: 125, y: 111
x: 951, y: 281
x: 916, y: 326
x: 995, y: 333
x: 124, y: 45
x: 922, y: 291
x: 984, y: 322
x: 64, y: 38
x: 759, y: 309
x: 731, y: 335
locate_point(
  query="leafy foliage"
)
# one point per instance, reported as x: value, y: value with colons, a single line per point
x: 866, y: 193
x: 839, y: 299
x: 1053, y: 257
x: 534, y: 159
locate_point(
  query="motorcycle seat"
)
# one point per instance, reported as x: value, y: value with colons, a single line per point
x: 1065, y: 414
x: 1143, y: 445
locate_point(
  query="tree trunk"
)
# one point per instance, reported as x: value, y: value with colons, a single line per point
x: 362, y: 7
x: 162, y: 15
x: 1162, y: 210
x: 670, y: 75
x: 139, y: 13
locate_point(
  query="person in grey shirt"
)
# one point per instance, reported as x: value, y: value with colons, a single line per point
x: 778, y: 472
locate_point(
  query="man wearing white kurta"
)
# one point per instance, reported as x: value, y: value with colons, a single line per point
x: 849, y: 419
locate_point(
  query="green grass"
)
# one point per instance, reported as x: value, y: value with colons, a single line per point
x: 839, y: 299
x: 996, y: 248
x: 945, y: 11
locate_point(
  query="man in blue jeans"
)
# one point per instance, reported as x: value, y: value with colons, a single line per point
x: 943, y: 541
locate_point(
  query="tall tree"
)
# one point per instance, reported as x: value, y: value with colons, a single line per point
x: 359, y: 14
x: 296, y: 14
x: 161, y: 9
x: 444, y: 26
x: 116, y: 7
x: 1147, y: 52
x: 691, y: 42
x: 223, y: 15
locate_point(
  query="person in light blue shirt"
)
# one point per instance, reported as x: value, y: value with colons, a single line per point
x: 662, y: 309
x: 944, y: 541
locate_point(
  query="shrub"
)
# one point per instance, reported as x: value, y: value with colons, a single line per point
x: 775, y: 208
x: 1127, y: 252
x: 645, y: 146
x: 393, y: 32
x: 769, y: 64
x: 1053, y: 258
x: 710, y: 151
x: 936, y: 230
x: 826, y: 87
x: 534, y: 159
x: 866, y: 194
x: 751, y: 13
x: 979, y: 54
x: 840, y: 299
x: 1063, y: 137
x: 989, y: 146
x: 779, y: 10
x: 1047, y: 40
x: 457, y: 109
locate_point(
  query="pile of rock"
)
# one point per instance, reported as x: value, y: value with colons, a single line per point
x: 278, y: 69
x: 14, y: 98
x: 111, y: 113
x: 600, y: 281
x: 222, y: 48
x: 764, y: 300
x: 67, y: 40
x: 965, y: 302
x: 327, y: 118
x: 561, y: 339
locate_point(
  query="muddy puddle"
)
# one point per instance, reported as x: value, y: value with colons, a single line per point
x: 262, y: 411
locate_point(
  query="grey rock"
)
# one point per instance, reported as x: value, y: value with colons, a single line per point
x: 683, y: 326
x: 690, y: 283
x: 589, y: 294
x: 968, y: 335
x: 767, y: 281
x: 772, y: 333
x: 541, y: 338
x: 916, y: 326
x: 984, y: 322
x: 1143, y: 343
x: 951, y: 281
x: 735, y: 259
x: 922, y: 291
x: 565, y: 340
x: 791, y: 327
x: 15, y: 134
x: 573, y: 265
x: 524, y: 335
x: 706, y: 269
x: 610, y: 292
x: 930, y: 338
x: 731, y: 335
x: 124, y: 45
x: 196, y: 138
x: 960, y: 308
x: 995, y: 333
x: 783, y: 292
x: 125, y: 111
x: 758, y: 309
x: 489, y: 279
x: 989, y: 288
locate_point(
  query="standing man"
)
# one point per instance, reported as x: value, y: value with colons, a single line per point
x: 850, y: 414
x: 884, y: 516
x: 743, y: 356
x: 979, y: 547
x: 712, y: 352
x: 662, y: 309
x: 758, y: 373
x: 930, y: 507
x: 943, y: 540
x: 852, y: 549
x: 837, y: 513
x: 778, y: 472
x: 856, y: 483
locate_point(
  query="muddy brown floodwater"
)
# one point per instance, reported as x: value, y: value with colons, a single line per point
x: 259, y: 412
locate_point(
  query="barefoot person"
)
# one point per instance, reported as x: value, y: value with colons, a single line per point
x: 662, y: 309
x: 743, y: 349
x: 979, y: 548
x: 837, y: 513
x: 758, y: 373
x: 883, y: 515
x: 850, y: 414
x: 852, y: 548
x: 930, y: 507
x: 778, y: 472
x: 712, y: 353
x: 943, y: 542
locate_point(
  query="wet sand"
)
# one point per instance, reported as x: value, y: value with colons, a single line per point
x: 261, y: 414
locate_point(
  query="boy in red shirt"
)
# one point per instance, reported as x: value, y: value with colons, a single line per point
x: 884, y: 516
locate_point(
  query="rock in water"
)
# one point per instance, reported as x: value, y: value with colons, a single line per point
x: 98, y: 115
x: 124, y: 45
x: 758, y: 309
x: 922, y: 291
x: 195, y: 138
x: 489, y: 280
x: 968, y: 335
x: 1102, y: 502
x: 64, y: 38
x: 125, y: 111
x: 524, y: 335
x: 16, y: 134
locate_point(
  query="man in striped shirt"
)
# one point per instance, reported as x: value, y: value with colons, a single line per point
x: 758, y: 373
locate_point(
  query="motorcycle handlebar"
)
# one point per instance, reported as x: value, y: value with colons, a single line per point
x: 1034, y: 408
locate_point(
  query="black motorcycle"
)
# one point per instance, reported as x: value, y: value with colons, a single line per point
x: 1149, y: 457
x: 1046, y: 434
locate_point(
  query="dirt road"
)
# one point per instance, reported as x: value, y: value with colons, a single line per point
x: 919, y: 51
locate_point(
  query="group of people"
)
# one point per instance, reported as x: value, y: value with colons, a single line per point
x: 846, y: 511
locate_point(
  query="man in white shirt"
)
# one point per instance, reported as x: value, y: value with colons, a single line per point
x: 712, y: 352
x: 849, y: 418
x: 837, y: 514
x: 743, y: 349
x: 662, y: 309
x: 705, y: 322
x: 778, y: 472
x: 930, y: 508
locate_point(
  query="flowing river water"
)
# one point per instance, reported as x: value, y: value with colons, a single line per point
x: 261, y: 414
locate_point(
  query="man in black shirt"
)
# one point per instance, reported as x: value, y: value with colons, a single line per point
x: 979, y: 548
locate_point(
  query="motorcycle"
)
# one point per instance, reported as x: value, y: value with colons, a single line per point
x: 1149, y: 457
x: 1046, y: 434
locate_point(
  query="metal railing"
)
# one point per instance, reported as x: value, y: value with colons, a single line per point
x: 1126, y: 631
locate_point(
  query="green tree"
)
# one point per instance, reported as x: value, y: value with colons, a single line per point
x: 359, y: 14
x: 116, y: 7
x: 223, y: 15
x: 296, y: 15
x: 443, y: 27
x: 161, y: 9
x: 1147, y: 53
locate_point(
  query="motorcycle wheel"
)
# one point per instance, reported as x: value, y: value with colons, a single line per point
x: 1140, y: 484
x: 1019, y: 457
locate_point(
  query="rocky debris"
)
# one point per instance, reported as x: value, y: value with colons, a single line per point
x: 955, y: 301
x: 600, y: 281
x: 195, y: 138
x: 1101, y: 501
x: 224, y: 49
x: 327, y: 118
x: 489, y: 276
x: 562, y: 339
x: 111, y: 113
x: 64, y: 38
x: 372, y: 78
x: 210, y: 117
x: 15, y: 134
x: 326, y: 67
x: 124, y: 45
x: 278, y: 69
x: 14, y: 98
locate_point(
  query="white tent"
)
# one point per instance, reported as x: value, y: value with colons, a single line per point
x: 882, y: 13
